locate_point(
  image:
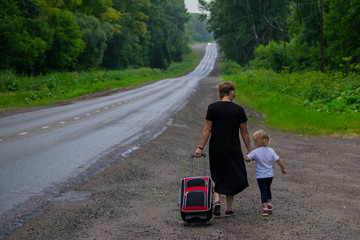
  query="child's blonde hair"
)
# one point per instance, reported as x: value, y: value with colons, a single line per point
x: 261, y: 138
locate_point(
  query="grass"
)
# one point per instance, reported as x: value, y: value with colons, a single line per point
x: 22, y: 91
x: 287, y: 113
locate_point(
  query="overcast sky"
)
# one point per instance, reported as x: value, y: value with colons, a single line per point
x: 192, y: 5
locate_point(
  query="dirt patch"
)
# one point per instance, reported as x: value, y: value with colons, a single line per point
x: 137, y: 198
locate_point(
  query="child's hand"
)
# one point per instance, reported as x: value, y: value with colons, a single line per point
x: 283, y: 171
x: 247, y: 159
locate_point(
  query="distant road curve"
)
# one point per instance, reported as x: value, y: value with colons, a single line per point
x: 41, y: 149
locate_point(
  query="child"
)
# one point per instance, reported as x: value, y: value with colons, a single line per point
x: 264, y: 157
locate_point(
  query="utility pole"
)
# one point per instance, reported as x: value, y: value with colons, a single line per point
x: 322, y: 37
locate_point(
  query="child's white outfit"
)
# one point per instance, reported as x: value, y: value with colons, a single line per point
x: 264, y: 158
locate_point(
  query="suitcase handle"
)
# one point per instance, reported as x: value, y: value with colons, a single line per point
x: 191, y: 163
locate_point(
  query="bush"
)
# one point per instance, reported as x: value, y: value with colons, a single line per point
x: 230, y: 68
x: 333, y: 93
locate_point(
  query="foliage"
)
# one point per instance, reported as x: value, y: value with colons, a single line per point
x: 40, y: 36
x: 333, y: 93
x: 16, y: 90
x: 230, y: 68
x: 67, y: 43
x: 305, y: 20
x: 341, y: 28
x: 240, y: 26
x: 129, y: 47
x: 167, y: 25
x: 95, y: 35
x: 311, y: 103
x: 196, y: 29
x: 23, y: 41
x: 271, y: 56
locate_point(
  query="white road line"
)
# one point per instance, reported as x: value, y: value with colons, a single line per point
x: 62, y: 122
x: 97, y: 110
x: 106, y: 108
x: 76, y: 118
x: 45, y: 127
x: 88, y: 114
x: 23, y: 133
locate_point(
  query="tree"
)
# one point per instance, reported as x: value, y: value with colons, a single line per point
x: 67, y: 44
x: 129, y: 46
x: 166, y: 25
x: 341, y: 30
x: 95, y: 35
x: 240, y: 26
x: 196, y: 30
x: 23, y: 41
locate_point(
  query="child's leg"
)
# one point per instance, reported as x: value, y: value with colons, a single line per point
x: 263, y: 190
x: 270, y: 209
x: 269, y: 181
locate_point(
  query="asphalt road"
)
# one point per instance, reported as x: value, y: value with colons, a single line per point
x: 41, y: 149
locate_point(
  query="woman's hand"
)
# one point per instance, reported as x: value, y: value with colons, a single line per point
x: 198, y: 152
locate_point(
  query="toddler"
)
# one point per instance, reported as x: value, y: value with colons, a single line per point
x: 264, y: 157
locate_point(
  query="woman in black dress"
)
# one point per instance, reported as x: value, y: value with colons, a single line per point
x: 223, y: 121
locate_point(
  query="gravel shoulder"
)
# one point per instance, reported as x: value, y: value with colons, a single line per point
x: 136, y: 198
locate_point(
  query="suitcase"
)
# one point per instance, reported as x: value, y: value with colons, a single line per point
x: 196, y: 196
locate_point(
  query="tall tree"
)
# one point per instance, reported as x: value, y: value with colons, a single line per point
x: 240, y: 26
x: 67, y: 43
x: 23, y: 40
x: 95, y: 35
x: 196, y: 29
x: 341, y: 30
x: 129, y: 46
x: 167, y: 27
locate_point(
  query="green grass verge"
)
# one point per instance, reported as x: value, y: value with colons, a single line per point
x: 21, y: 91
x: 288, y: 114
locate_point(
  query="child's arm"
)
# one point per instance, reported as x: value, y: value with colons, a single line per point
x: 281, y: 164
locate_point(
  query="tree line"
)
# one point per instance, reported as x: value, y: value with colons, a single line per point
x: 40, y: 36
x: 289, y: 34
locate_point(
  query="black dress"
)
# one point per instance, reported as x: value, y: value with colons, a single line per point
x: 227, y: 164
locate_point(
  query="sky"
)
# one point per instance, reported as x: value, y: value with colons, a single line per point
x: 191, y: 5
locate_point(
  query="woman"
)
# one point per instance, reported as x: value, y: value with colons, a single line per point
x: 227, y: 166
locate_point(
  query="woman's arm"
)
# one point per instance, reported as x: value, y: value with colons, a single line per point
x: 204, y: 138
x: 245, y: 135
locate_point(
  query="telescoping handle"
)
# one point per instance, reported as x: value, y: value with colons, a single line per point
x: 191, y: 163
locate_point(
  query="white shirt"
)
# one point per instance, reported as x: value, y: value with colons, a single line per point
x: 264, y: 157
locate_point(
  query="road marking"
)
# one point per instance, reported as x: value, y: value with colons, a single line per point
x: 62, y: 122
x: 88, y: 114
x: 23, y: 133
x: 45, y: 127
x: 113, y: 105
x: 106, y: 108
x: 119, y: 103
x: 97, y: 110
x: 76, y: 118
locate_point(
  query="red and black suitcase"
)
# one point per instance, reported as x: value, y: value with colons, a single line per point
x: 196, y: 196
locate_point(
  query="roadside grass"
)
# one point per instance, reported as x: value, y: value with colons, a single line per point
x: 21, y: 91
x: 288, y: 113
